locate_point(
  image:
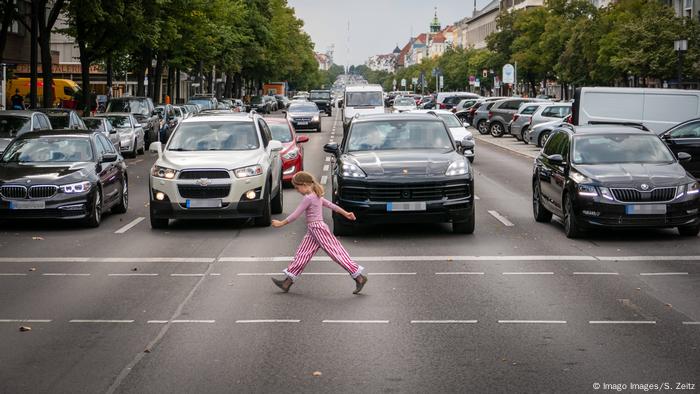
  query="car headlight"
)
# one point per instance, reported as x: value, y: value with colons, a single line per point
x: 587, y: 191
x: 163, y: 172
x: 249, y: 171
x: 75, y: 188
x: 459, y: 167
x: 292, y: 154
x: 316, y: 118
x: 353, y: 171
x: 605, y: 192
x: 692, y: 188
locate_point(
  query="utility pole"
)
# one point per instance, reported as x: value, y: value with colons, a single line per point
x: 33, y: 61
x: 4, y: 85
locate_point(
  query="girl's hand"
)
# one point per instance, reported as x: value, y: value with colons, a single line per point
x: 277, y: 223
x: 350, y: 216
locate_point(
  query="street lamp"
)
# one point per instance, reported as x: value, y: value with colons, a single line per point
x: 680, y: 46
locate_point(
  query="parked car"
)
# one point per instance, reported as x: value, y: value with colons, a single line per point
x: 304, y: 116
x: 260, y: 104
x: 451, y: 100
x: 273, y: 102
x: 463, y: 105
x: 143, y: 110
x: 469, y: 113
x: 205, y: 101
x: 403, y: 104
x: 62, y: 174
x: 104, y: 126
x: 613, y: 176
x: 539, y: 134
x: 168, y: 121
x: 292, y: 146
x: 501, y: 112
x: 685, y: 137
x: 521, y: 120
x: 131, y: 134
x: 322, y: 99
x: 15, y: 123
x: 402, y: 168
x: 299, y: 98
x: 63, y: 118
x: 215, y: 167
x: 428, y: 104
x: 481, y: 117
x: 458, y: 129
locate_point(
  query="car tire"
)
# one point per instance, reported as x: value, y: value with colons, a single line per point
x: 541, y: 214
x: 689, y: 231
x: 95, y: 218
x: 496, y: 129
x: 266, y: 219
x: 482, y: 127
x: 318, y: 129
x: 134, y: 151
x: 467, y: 226
x: 142, y: 150
x: 471, y: 159
x: 341, y: 228
x: 278, y: 202
x: 571, y: 227
x: 543, y: 139
x: 123, y: 204
x: 158, y: 223
x: 525, y: 135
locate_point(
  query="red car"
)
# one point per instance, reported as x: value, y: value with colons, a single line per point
x: 292, y: 151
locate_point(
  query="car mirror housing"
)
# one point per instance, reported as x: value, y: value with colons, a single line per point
x: 683, y: 156
x: 331, y: 148
x: 275, y: 146
x: 467, y: 144
x: 109, y: 157
x: 302, y: 138
x: 156, y: 147
x: 556, y: 159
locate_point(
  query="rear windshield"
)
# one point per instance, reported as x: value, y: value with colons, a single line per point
x: 303, y: 107
x: 119, y: 122
x: 405, y: 101
x: 133, y: 106
x: 11, y: 125
x: 320, y: 95
x: 256, y: 100
x: 399, y: 134
x: 364, y: 99
x: 94, y: 124
x: 59, y: 120
x: 214, y: 136
x: 205, y: 103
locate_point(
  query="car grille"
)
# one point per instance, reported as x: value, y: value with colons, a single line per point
x: 208, y: 174
x: 393, y: 193
x: 13, y: 191
x: 633, y: 195
x: 47, y: 191
x: 196, y: 191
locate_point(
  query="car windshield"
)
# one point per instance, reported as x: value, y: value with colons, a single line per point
x: 48, y: 150
x: 619, y: 149
x: 256, y: 100
x: 303, y: 107
x: 119, y: 122
x: 405, y: 101
x: 398, y: 134
x: 204, y: 102
x: 280, y: 132
x: 94, y: 124
x: 131, y: 106
x: 451, y: 120
x: 214, y: 136
x: 59, y: 120
x: 364, y: 99
x: 320, y: 96
x: 11, y: 125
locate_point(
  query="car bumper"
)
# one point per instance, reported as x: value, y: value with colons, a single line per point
x: 309, y: 126
x: 597, y: 214
x: 61, y: 206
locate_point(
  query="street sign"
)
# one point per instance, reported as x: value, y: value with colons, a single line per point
x: 485, y: 73
x: 403, y: 82
x: 477, y: 83
x: 508, y: 73
x: 436, y: 71
x: 414, y: 81
x: 442, y: 82
x: 472, y: 79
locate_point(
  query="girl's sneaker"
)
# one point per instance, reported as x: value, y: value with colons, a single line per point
x: 359, y: 284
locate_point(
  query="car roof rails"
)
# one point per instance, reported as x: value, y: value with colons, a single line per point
x: 628, y: 124
x: 434, y: 114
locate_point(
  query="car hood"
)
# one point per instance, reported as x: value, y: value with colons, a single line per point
x: 458, y: 133
x: 401, y: 163
x: 634, y: 174
x: 205, y: 159
x: 44, y: 173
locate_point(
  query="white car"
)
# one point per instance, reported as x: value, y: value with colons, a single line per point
x: 216, y: 167
x: 458, y: 129
x: 131, y: 133
x: 403, y: 104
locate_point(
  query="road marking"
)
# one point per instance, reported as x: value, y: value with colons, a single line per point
x: 24, y: 321
x: 130, y: 225
x: 326, y: 168
x: 662, y: 273
x: 444, y: 321
x: 528, y: 273
x: 692, y: 323
x: 215, y: 274
x: 532, y: 321
x: 414, y: 258
x: 268, y: 321
x: 459, y: 273
x: 132, y: 275
x: 328, y: 159
x: 648, y: 258
x: 260, y: 273
x: 476, y: 197
x: 186, y: 274
x: 180, y: 321
x: 107, y: 259
x: 392, y: 273
x: 501, y: 219
x: 135, y: 161
x: 63, y: 274
x: 100, y: 321
x: 622, y: 322
x: 596, y: 273
x: 324, y: 179
x: 356, y: 321
x: 13, y: 274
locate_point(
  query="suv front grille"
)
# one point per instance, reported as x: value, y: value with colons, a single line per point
x: 208, y: 174
x: 196, y: 191
x: 46, y: 191
x: 393, y: 193
x: 634, y: 195
x: 13, y: 191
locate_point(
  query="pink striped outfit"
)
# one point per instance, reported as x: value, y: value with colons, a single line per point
x: 318, y: 235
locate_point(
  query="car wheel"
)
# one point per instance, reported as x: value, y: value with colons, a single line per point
x: 496, y: 130
x: 471, y: 159
x: 525, y: 135
x: 278, y: 201
x: 95, y: 217
x: 482, y: 127
x: 518, y: 136
x: 541, y: 213
x: 134, y: 151
x: 266, y: 219
x: 124, y: 200
x: 543, y: 139
x: 689, y: 231
x: 142, y: 150
x: 467, y: 226
x: 571, y: 226
x: 158, y: 223
x: 341, y: 228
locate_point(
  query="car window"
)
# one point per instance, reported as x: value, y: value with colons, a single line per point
x: 690, y: 130
x: 364, y: 99
x: 556, y: 112
x: 303, y: 107
x: 398, y: 134
x: 119, y: 122
x: 529, y: 109
x: 553, y: 145
x: 513, y: 104
x: 214, y: 136
x: 134, y: 106
x: 44, y: 122
x: 105, y: 144
x: 620, y: 148
x: 48, y: 149
x: 101, y: 150
x: 95, y: 124
x: 11, y: 125
x: 281, y: 132
x: 450, y: 120
x: 265, y: 132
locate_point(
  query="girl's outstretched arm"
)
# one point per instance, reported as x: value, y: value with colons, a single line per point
x: 295, y: 215
x: 335, y: 208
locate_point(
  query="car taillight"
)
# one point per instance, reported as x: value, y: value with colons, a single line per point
x: 515, y: 117
x: 490, y: 114
x: 443, y: 106
x: 569, y: 119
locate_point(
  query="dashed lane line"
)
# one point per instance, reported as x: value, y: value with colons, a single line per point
x: 416, y: 258
x: 662, y: 273
x: 101, y: 321
x: 326, y: 168
x: 459, y: 273
x: 476, y: 197
x: 268, y: 321
x: 596, y: 273
x: 501, y: 219
x: 355, y: 321
x: 188, y: 275
x: 324, y: 179
x: 132, y: 274
x: 62, y: 274
x: 528, y: 273
x: 25, y: 321
x: 12, y: 274
x: 692, y: 323
x: 444, y: 321
x: 532, y: 321
x: 130, y: 225
x: 180, y: 321
x: 622, y: 322
x: 328, y: 159
x: 107, y: 259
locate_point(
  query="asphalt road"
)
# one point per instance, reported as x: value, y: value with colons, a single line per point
x: 515, y: 307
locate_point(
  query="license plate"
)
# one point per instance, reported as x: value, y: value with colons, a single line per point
x: 647, y: 209
x: 27, y: 205
x: 405, y: 206
x: 204, y: 203
x: 303, y: 123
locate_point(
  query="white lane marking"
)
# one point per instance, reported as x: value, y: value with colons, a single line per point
x: 692, y: 323
x: 44, y: 259
x: 260, y: 274
x: 391, y: 273
x: 24, y: 321
x: 622, y: 322
x: 326, y: 168
x: 414, y: 258
x: 12, y: 274
x: 132, y: 275
x: 528, y: 273
x: 328, y: 159
x: 532, y: 321
x: 188, y: 275
x: 62, y: 274
x: 356, y: 321
x: 107, y: 259
x: 215, y: 274
x: 135, y: 161
x: 459, y: 273
x: 444, y: 321
x: 648, y: 258
x: 662, y: 273
x: 324, y: 179
x: 501, y: 218
x: 268, y: 321
x: 99, y: 321
x: 476, y: 197
x: 596, y: 273
x: 180, y: 321
x: 130, y: 225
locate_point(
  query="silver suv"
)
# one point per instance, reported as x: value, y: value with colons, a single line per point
x: 501, y: 114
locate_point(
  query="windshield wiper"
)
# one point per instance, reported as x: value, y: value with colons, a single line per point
x: 180, y: 150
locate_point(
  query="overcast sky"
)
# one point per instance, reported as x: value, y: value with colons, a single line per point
x: 376, y: 26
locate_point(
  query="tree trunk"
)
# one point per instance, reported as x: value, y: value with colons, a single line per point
x: 157, y: 79
x: 170, y: 86
x: 177, y: 86
x: 228, y: 88
x: 110, y: 77
x: 210, y: 82
x: 85, y: 78
x: 46, y: 68
x: 143, y: 65
x: 33, y: 56
x: 7, y: 13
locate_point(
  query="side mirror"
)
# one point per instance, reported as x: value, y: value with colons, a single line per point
x: 467, y: 144
x: 302, y: 138
x: 556, y: 159
x: 465, y: 124
x: 109, y: 157
x: 275, y: 146
x: 332, y: 149
x: 137, y: 125
x: 156, y: 147
x: 683, y: 156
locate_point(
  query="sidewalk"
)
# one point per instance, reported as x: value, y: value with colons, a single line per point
x: 507, y: 142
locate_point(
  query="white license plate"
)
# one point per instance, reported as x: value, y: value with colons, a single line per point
x: 303, y: 123
x: 647, y: 209
x: 27, y: 205
x: 405, y: 206
x: 204, y: 203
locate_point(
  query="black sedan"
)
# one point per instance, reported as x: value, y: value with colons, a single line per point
x: 613, y: 176
x: 62, y: 174
x: 63, y: 118
x: 402, y: 168
x: 304, y: 116
x: 685, y: 137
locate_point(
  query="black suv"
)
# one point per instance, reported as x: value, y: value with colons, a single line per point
x: 613, y: 176
x: 143, y: 110
x: 402, y: 168
x: 322, y: 98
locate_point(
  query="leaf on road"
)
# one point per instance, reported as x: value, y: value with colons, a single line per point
x: 37, y: 238
x: 147, y: 350
x: 32, y: 269
x: 317, y: 373
x: 25, y: 328
x: 135, y: 269
x: 669, y: 305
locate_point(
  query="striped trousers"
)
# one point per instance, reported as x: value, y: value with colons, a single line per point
x: 318, y: 235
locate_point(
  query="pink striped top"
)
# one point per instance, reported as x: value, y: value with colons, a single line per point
x: 312, y: 205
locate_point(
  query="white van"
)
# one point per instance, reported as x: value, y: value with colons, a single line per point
x: 363, y: 100
x: 657, y: 109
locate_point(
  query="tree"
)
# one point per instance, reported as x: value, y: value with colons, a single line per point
x: 47, y: 14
